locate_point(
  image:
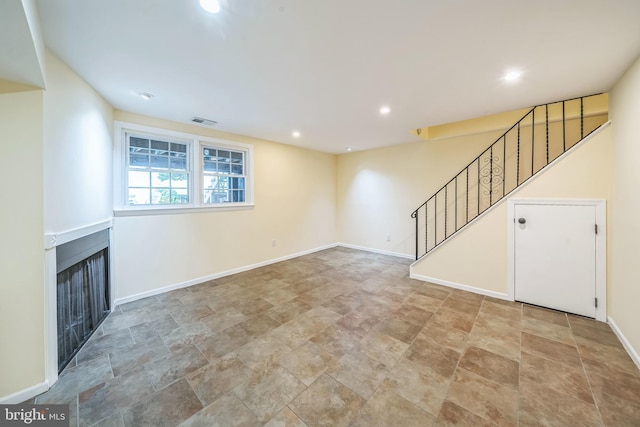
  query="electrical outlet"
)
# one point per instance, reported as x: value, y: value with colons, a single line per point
x: 388, y: 237
x: 273, y: 243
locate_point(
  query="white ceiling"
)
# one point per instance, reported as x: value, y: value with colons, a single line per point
x: 264, y: 68
x: 20, y: 44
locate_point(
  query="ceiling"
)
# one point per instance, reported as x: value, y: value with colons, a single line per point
x: 265, y: 68
x: 20, y: 48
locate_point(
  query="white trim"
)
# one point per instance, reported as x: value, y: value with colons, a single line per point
x: 601, y: 261
x: 460, y: 286
x: 50, y: 318
x: 511, y: 248
x: 203, y: 279
x: 165, y: 210
x: 625, y: 342
x: 601, y: 245
x: 377, y: 251
x: 112, y: 269
x: 24, y: 394
x: 51, y: 240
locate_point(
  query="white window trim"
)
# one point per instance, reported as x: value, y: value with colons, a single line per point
x: 197, y: 142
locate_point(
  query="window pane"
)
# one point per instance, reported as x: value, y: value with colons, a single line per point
x: 179, y: 195
x: 178, y: 163
x: 217, y: 196
x: 238, y: 183
x: 224, y: 167
x: 160, y: 145
x: 221, y: 197
x: 179, y: 180
x: 224, y: 156
x: 138, y: 142
x: 139, y: 160
x: 159, y: 162
x: 210, y: 166
x: 160, y: 196
x: 209, y: 154
x: 138, y: 150
x: 208, y: 181
x: 238, y: 196
x: 138, y: 196
x: 160, y: 179
x: 236, y: 157
x: 139, y: 179
x: 180, y: 148
x: 236, y: 169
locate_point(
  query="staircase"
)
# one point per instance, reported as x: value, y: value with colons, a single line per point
x: 542, y: 135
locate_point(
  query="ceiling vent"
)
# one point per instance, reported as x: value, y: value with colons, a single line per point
x: 205, y: 122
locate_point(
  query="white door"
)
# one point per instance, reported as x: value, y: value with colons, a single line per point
x: 555, y: 256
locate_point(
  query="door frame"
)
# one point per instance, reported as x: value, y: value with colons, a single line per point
x: 601, y: 245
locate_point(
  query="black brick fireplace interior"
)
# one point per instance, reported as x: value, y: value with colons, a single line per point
x: 83, y: 299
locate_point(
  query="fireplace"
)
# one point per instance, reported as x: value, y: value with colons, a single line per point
x: 82, y: 290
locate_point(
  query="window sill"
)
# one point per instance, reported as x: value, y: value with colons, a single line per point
x: 145, y: 211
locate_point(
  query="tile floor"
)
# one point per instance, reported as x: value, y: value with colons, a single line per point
x: 344, y: 337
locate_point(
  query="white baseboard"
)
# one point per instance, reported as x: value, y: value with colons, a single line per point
x: 214, y: 276
x: 625, y: 342
x: 25, y: 394
x: 377, y: 251
x: 460, y: 286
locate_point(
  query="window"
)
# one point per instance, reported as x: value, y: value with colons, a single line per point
x: 158, y: 171
x: 163, y: 170
x: 223, y: 175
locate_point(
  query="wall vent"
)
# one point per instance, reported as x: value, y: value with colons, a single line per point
x: 205, y: 122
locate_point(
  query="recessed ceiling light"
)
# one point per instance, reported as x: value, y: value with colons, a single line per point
x: 146, y: 95
x: 349, y: 149
x: 211, y: 6
x: 512, y: 76
x: 385, y: 110
x: 295, y: 134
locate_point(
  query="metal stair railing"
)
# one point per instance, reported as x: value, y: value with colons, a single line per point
x: 543, y: 134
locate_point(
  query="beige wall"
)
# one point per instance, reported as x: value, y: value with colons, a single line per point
x: 624, y: 287
x: 21, y: 243
x: 295, y: 198
x: 57, y: 149
x: 78, y: 124
x: 477, y: 257
x: 378, y: 189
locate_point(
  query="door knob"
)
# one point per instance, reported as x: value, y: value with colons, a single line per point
x: 522, y: 220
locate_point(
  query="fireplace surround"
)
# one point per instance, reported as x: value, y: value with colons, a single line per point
x: 82, y: 291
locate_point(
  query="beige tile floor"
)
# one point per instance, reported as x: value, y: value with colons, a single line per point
x: 344, y: 337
